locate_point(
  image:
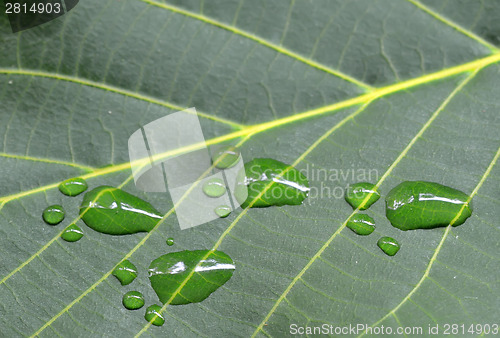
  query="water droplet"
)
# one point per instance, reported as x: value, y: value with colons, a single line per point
x: 425, y: 205
x: 268, y: 176
x: 223, y: 211
x: 125, y: 272
x: 113, y: 211
x: 226, y: 157
x: 388, y: 245
x: 10, y: 82
x: 72, y: 233
x: 211, y: 270
x: 73, y: 186
x: 170, y: 241
x: 54, y: 214
x: 361, y: 224
x: 151, y: 312
x: 214, y: 187
x: 356, y: 193
x: 133, y: 300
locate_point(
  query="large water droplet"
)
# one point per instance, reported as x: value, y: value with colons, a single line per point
x: 151, y: 312
x: 133, y: 300
x: 424, y: 205
x: 361, y: 224
x: 388, y: 245
x: 279, y: 183
x: 73, y: 186
x: 113, y: 211
x: 53, y: 214
x: 204, y: 270
x: 72, y: 233
x: 356, y: 193
x: 125, y: 272
x: 214, y: 187
x: 225, y: 157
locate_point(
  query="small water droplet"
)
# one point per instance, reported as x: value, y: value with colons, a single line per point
x: 388, y: 245
x: 361, y: 224
x: 73, y: 186
x: 125, y: 272
x: 153, y: 315
x: 225, y: 157
x: 212, y: 269
x: 10, y: 82
x: 53, y: 214
x: 72, y: 233
x: 356, y: 193
x: 223, y: 211
x: 133, y: 300
x: 214, y: 187
x: 170, y: 241
x: 425, y: 205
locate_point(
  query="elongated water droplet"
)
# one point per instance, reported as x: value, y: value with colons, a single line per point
x: 356, y: 193
x: 214, y: 187
x: 113, y: 211
x: 73, y: 186
x: 279, y: 183
x: 211, y: 270
x: 425, y: 205
x: 388, y: 245
x: 125, y: 272
x: 72, y: 233
x: 170, y: 241
x: 133, y: 300
x: 361, y: 224
x: 151, y: 312
x: 223, y: 211
x: 226, y: 157
x: 54, y: 214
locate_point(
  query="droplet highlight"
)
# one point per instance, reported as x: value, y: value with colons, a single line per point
x: 53, y: 214
x: 133, y: 300
x: 73, y: 186
x: 223, y: 211
x: 125, y: 272
x: 388, y: 245
x: 204, y: 270
x: 214, y: 187
x: 72, y: 233
x: 279, y: 184
x: 113, y: 211
x: 226, y: 157
x: 425, y: 205
x: 361, y: 224
x: 356, y: 193
x: 154, y: 316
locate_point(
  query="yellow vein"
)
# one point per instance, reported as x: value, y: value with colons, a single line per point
x: 454, y: 25
x: 47, y: 160
x: 440, y: 245
x: 244, y: 211
x: 113, y: 89
x: 260, y: 40
x: 382, y: 179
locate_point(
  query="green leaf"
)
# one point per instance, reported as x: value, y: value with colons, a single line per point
x: 345, y: 91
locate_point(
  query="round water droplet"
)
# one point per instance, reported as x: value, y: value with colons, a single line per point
x: 125, y: 272
x: 133, y: 300
x: 361, y: 224
x: 54, y: 214
x: 223, y: 211
x: 214, y: 187
x: 388, y: 245
x: 356, y: 194
x: 170, y: 241
x: 72, y: 233
x: 153, y: 315
x: 224, y: 158
x: 425, y: 205
x: 73, y: 186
